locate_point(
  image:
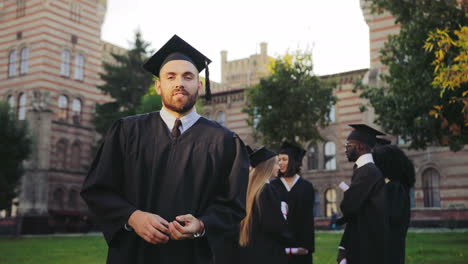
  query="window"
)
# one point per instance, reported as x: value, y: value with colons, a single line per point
x: 58, y: 198
x: 317, y: 204
x: 331, y: 115
x: 312, y: 158
x: 412, y: 200
x: 76, y: 156
x: 221, y: 118
x: 79, y: 67
x: 65, y: 66
x: 330, y: 199
x: 20, y: 8
x: 72, y: 199
x: 12, y: 64
x: 63, y: 107
x: 61, y: 153
x: 430, y: 185
x: 11, y: 101
x: 24, y: 60
x: 330, y: 153
x: 22, y: 106
x: 76, y: 111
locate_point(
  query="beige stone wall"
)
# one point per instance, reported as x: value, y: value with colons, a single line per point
x: 46, y: 28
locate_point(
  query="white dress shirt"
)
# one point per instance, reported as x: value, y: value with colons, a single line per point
x: 364, y: 159
x: 187, y: 120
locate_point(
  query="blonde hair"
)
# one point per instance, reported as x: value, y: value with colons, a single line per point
x: 258, y: 177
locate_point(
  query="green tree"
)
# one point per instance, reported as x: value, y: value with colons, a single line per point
x: 15, y: 147
x: 126, y: 82
x: 450, y: 70
x: 291, y: 103
x: 404, y: 103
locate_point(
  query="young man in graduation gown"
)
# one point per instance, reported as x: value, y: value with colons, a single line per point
x: 165, y: 186
x: 365, y: 238
x: 299, y: 194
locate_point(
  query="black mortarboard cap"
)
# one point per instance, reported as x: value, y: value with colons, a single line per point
x: 382, y: 141
x: 177, y: 49
x: 260, y: 155
x: 364, y: 134
x: 293, y: 149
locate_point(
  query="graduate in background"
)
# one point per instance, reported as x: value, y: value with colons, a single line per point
x: 365, y: 239
x: 399, y: 173
x: 166, y: 186
x: 300, y: 196
x: 263, y: 231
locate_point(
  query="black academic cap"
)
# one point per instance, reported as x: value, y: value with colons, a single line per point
x: 293, y: 149
x: 249, y: 149
x: 260, y: 155
x: 177, y: 49
x: 382, y: 141
x: 364, y: 134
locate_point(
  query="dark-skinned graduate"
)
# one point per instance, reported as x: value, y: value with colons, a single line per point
x: 299, y: 194
x: 399, y: 174
x: 365, y: 239
x: 166, y: 186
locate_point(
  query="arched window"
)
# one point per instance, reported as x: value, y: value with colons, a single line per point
x: 12, y: 63
x: 58, y: 198
x: 330, y: 156
x: 65, y: 65
x: 330, y: 202
x: 63, y: 107
x: 76, y: 110
x: 430, y: 185
x: 312, y: 158
x: 24, y: 60
x: 73, y: 199
x: 331, y: 115
x: 61, y: 153
x: 22, y: 106
x: 317, y: 204
x: 221, y: 118
x: 79, y: 67
x: 76, y: 156
x: 11, y: 102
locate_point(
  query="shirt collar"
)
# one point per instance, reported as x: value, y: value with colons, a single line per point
x: 286, y: 185
x: 364, y: 159
x: 187, y: 120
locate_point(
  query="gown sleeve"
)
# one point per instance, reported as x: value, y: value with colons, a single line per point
x: 361, y: 187
x: 271, y: 218
x: 223, y: 216
x: 103, y: 187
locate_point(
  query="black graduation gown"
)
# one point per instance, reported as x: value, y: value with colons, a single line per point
x: 269, y: 233
x: 364, y: 207
x: 398, y: 202
x: 204, y: 172
x: 300, y: 200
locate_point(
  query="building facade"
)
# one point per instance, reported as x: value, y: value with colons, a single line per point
x: 51, y: 55
x: 440, y: 196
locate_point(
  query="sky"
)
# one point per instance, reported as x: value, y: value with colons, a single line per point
x: 334, y: 30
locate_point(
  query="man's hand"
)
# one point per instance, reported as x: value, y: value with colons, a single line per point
x: 151, y: 227
x: 191, y: 226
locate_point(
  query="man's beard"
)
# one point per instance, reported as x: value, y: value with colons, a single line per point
x: 352, y: 155
x: 172, y: 104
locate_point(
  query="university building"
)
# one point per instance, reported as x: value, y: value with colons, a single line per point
x: 51, y: 54
x: 440, y: 196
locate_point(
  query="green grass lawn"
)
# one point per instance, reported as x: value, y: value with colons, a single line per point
x: 427, y: 248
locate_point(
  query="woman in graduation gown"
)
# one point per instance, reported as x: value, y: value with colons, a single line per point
x: 399, y: 172
x: 299, y: 194
x: 263, y: 232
